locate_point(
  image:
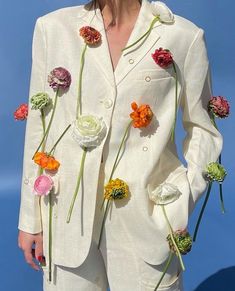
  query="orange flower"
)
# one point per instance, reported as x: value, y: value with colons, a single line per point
x: 90, y: 35
x: 46, y: 161
x: 142, y: 115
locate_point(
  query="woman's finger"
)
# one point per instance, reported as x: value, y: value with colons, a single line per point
x: 29, y: 259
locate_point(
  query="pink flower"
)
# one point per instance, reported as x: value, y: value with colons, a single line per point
x: 162, y: 57
x: 21, y: 112
x: 59, y: 78
x: 218, y: 106
x: 43, y: 185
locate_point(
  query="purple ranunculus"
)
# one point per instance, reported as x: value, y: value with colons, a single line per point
x: 59, y: 78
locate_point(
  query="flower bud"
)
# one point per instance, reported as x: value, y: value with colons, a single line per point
x: 183, y: 241
x: 40, y: 100
x: 215, y: 172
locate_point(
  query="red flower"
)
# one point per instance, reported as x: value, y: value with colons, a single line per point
x: 162, y: 57
x: 90, y: 35
x: 218, y: 106
x: 141, y: 116
x: 21, y: 112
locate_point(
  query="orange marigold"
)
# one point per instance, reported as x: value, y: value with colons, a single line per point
x: 90, y: 35
x: 46, y: 161
x: 141, y: 116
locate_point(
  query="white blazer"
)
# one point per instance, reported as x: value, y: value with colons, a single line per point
x: 150, y: 158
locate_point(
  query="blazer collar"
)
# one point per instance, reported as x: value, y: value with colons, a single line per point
x: 129, y: 58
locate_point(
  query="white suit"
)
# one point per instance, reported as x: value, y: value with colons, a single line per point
x: 150, y: 158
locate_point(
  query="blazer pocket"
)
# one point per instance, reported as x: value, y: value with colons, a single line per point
x: 149, y: 75
x: 150, y: 275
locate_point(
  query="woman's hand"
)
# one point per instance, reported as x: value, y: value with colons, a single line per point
x: 26, y: 241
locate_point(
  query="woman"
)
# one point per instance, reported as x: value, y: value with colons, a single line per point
x: 164, y: 66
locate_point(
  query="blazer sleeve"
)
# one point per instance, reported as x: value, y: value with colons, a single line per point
x: 29, y: 214
x: 203, y: 142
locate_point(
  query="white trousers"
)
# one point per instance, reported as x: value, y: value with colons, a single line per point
x: 115, y: 265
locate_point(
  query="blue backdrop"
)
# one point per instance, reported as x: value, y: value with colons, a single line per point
x: 210, y: 265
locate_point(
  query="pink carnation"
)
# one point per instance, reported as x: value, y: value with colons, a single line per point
x: 219, y: 106
x: 162, y: 57
x: 21, y: 112
x: 59, y: 78
x: 43, y: 185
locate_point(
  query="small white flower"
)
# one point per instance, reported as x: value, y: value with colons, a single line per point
x: 89, y: 130
x: 165, y: 14
x: 164, y: 194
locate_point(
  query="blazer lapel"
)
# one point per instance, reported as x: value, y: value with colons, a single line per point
x: 100, y: 54
x: 131, y: 57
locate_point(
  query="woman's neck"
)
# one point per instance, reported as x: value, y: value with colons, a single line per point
x: 124, y: 10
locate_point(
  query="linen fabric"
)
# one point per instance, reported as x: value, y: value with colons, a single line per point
x: 116, y: 266
x: 149, y: 159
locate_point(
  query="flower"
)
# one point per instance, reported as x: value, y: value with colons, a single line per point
x: 116, y: 189
x: 164, y: 194
x: 215, y: 172
x: 89, y: 130
x: 59, y: 78
x: 160, y: 9
x: 21, y: 112
x: 90, y: 35
x: 43, y: 185
x: 46, y: 161
x: 141, y: 116
x: 40, y: 100
x: 183, y: 241
x: 162, y: 57
x: 218, y: 106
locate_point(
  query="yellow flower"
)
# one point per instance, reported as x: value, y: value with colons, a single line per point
x: 116, y: 189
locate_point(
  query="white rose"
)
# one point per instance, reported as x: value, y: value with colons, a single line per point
x: 89, y: 130
x: 164, y: 194
x: 165, y: 14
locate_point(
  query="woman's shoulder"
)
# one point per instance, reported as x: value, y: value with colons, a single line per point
x: 63, y: 13
x: 175, y: 24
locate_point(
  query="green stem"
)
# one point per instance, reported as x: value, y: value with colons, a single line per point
x: 212, y: 117
x: 176, y: 105
x: 145, y: 34
x: 82, y: 61
x: 43, y: 120
x: 117, y: 156
x: 50, y: 122
x: 221, y: 198
x: 50, y: 234
x: 119, y: 149
x: 213, y: 121
x: 202, y: 211
x: 53, y: 148
x: 77, y: 186
x: 103, y: 222
x: 165, y: 270
x: 40, y: 170
x: 172, y: 238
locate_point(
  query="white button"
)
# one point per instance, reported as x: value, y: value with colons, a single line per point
x: 145, y: 149
x: 131, y: 61
x: 26, y: 181
x: 147, y: 79
x: 108, y: 103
